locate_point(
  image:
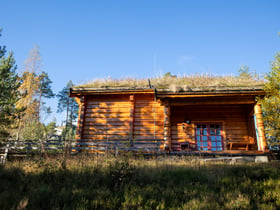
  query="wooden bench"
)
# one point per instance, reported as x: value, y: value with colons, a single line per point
x: 242, y: 144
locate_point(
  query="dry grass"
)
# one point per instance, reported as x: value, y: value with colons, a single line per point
x: 177, y: 83
x: 105, y: 182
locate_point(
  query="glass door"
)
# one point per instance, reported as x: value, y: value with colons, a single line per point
x: 209, y: 136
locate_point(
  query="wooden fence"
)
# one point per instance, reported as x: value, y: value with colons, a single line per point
x: 114, y: 146
x: 119, y: 145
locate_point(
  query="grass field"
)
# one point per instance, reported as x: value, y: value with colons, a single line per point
x: 102, y: 182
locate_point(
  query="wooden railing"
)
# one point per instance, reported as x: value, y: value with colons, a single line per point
x: 119, y: 145
x: 110, y: 145
x: 30, y: 145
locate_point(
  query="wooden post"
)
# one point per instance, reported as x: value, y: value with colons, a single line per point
x: 81, y: 103
x: 5, y: 156
x: 260, y: 126
x: 167, y: 126
x: 132, y: 118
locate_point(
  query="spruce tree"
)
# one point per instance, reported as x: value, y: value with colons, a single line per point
x: 9, y: 93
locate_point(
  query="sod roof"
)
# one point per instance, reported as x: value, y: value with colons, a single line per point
x: 189, y: 83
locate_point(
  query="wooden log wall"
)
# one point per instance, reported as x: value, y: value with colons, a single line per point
x: 81, y: 103
x: 148, y: 118
x: 135, y: 117
x: 234, y: 119
x: 107, y: 117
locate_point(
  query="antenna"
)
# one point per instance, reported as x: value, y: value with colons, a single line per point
x: 155, y: 63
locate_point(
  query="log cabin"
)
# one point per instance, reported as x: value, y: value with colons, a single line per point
x: 213, y: 120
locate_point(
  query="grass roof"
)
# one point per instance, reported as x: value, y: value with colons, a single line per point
x: 177, y: 83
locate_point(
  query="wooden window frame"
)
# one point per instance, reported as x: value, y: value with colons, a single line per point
x: 208, y: 129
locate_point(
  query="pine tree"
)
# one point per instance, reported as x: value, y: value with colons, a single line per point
x: 271, y: 102
x: 9, y: 93
x: 65, y: 103
x: 44, y: 91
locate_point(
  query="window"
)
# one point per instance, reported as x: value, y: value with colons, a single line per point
x: 209, y: 136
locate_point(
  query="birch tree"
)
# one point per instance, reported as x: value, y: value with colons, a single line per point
x: 36, y: 85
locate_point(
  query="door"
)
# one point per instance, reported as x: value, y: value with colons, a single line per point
x: 209, y: 136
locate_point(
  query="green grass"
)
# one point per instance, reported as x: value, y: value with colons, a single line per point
x: 95, y: 182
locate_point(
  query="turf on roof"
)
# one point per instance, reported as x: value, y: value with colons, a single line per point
x: 174, y: 83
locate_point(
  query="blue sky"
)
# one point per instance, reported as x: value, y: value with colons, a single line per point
x: 83, y: 40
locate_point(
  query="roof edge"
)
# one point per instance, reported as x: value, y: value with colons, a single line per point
x: 252, y: 90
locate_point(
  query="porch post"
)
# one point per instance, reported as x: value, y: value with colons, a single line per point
x: 131, y: 116
x: 167, y: 126
x: 259, y: 125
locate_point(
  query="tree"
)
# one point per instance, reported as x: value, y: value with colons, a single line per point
x: 29, y: 86
x: 50, y: 128
x: 271, y: 102
x: 36, y: 85
x: 45, y: 91
x: 246, y: 74
x: 33, y: 130
x: 65, y: 103
x: 9, y: 93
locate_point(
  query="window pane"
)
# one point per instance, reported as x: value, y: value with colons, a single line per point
x: 208, y: 135
x: 204, y: 131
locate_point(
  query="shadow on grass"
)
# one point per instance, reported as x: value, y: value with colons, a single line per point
x: 136, y: 184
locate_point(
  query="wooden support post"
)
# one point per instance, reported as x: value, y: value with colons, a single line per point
x: 81, y: 103
x: 259, y: 127
x: 132, y: 118
x: 167, y: 126
x: 5, y: 155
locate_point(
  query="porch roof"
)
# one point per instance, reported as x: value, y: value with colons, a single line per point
x: 213, y: 91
